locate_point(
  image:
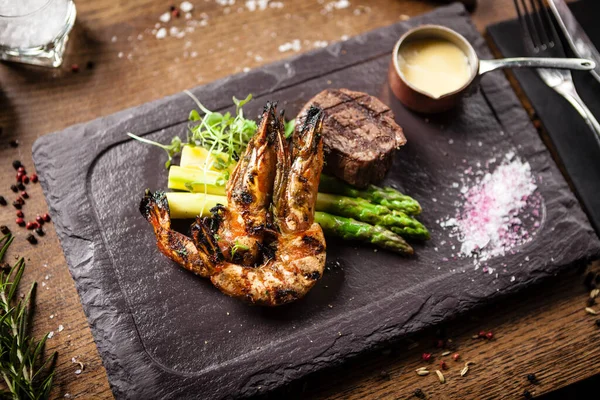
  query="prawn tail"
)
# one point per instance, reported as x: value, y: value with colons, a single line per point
x: 155, y: 208
x: 307, y: 138
x: 176, y: 246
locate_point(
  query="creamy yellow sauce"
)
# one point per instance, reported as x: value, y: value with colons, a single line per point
x: 435, y: 66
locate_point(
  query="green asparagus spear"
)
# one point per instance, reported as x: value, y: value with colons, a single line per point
x: 350, y: 229
x: 350, y: 207
x: 374, y: 214
x: 410, y: 233
x: 387, y: 196
x: 189, y: 205
x: 196, y: 180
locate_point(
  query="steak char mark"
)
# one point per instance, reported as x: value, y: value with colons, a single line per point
x: 359, y: 135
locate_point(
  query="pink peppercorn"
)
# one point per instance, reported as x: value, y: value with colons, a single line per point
x: 455, y: 356
x: 426, y: 356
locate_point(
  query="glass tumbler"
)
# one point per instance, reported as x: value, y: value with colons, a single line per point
x: 35, y: 31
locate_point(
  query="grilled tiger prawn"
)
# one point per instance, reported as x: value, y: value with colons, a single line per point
x: 264, y: 246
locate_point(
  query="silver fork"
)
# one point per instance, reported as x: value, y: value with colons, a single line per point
x: 541, y: 40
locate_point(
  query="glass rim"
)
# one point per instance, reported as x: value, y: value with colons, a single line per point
x: 29, y: 13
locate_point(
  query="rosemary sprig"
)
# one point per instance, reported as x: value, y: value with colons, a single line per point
x: 25, y: 372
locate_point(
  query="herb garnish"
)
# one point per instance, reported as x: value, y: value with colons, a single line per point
x: 218, y: 133
x: 237, y: 246
x: 25, y: 372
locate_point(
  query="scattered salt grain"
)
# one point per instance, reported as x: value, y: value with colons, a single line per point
x: 253, y: 5
x: 335, y: 5
x: 78, y: 371
x: 50, y: 335
x: 120, y: 55
x: 512, y: 278
x: 176, y: 32
x: 113, y: 39
x: 161, y: 34
x: 320, y: 43
x: 61, y: 328
x: 294, y: 45
x: 166, y: 17
x: 186, y: 6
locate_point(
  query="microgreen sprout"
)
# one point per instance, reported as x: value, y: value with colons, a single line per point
x: 238, y: 246
x: 172, y: 149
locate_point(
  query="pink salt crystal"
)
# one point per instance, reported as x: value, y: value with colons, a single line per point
x: 491, y: 207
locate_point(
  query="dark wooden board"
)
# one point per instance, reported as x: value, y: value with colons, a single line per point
x: 164, y: 333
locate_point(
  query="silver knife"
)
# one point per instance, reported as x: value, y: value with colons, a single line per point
x: 580, y: 43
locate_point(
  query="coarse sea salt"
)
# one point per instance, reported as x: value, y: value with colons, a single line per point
x: 161, y: 34
x: 335, y: 5
x: 186, y: 6
x: 489, y: 221
x: 294, y: 45
x: 253, y: 5
x: 166, y: 17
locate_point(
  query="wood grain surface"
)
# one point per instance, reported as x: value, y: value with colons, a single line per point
x: 545, y: 331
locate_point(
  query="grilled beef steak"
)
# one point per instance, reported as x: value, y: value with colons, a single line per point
x: 359, y: 134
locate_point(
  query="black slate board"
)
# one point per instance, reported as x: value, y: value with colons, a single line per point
x: 573, y: 140
x: 164, y: 333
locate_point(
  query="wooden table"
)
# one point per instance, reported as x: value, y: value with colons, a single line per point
x: 545, y: 331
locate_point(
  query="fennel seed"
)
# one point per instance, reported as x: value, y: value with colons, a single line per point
x: 422, y: 372
x: 440, y: 376
x: 446, y: 353
x: 464, y: 370
x: 594, y: 293
x: 591, y: 311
